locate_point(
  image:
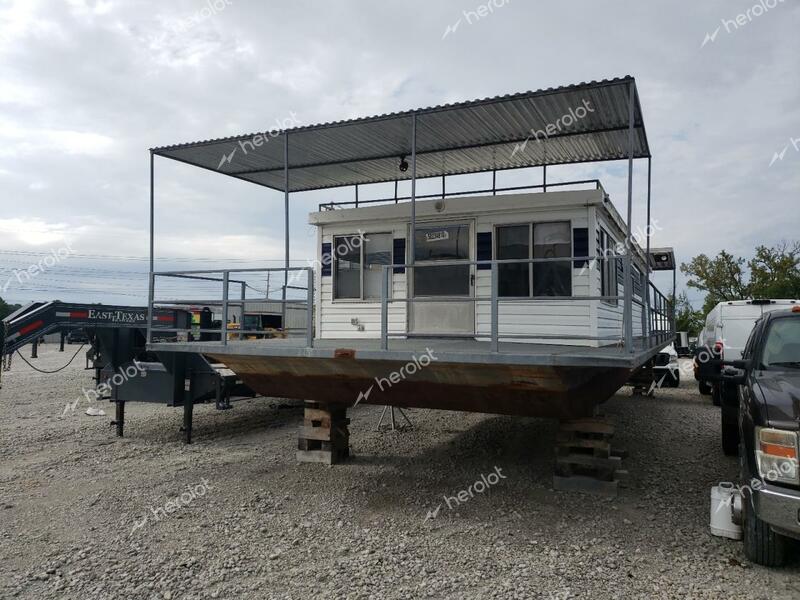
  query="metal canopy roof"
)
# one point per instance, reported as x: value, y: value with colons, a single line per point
x: 587, y: 122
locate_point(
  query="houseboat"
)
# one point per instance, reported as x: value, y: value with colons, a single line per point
x: 525, y: 300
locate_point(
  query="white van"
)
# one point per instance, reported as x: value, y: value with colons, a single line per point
x: 728, y: 326
x: 730, y: 323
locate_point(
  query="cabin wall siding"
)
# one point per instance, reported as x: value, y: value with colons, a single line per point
x: 589, y: 318
x: 609, y: 316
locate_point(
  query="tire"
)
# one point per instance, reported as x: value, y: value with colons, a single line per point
x: 675, y: 379
x: 762, y: 545
x: 730, y: 430
x: 716, y: 395
x: 704, y: 388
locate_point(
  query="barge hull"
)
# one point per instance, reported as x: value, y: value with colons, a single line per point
x: 563, y: 392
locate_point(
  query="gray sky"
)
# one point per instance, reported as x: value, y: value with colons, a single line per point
x: 86, y: 87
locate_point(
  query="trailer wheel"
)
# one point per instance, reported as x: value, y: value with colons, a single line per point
x: 674, y: 379
x: 730, y: 430
x: 704, y: 388
x: 762, y: 545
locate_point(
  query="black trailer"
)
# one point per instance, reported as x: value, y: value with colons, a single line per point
x: 125, y: 371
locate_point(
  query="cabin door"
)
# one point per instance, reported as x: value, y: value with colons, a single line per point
x: 443, y: 275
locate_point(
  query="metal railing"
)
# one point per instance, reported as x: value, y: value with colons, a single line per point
x: 657, y: 312
x: 445, y: 194
x: 650, y: 318
x: 661, y: 314
x: 226, y: 302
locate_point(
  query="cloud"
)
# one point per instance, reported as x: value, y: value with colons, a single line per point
x: 87, y: 87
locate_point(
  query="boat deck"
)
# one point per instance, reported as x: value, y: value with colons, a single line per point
x: 445, y: 350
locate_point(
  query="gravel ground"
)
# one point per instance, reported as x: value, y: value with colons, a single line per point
x: 85, y: 515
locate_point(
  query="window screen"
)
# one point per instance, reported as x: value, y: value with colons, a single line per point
x: 441, y: 243
x: 608, y: 267
x: 347, y: 266
x: 449, y: 242
x: 377, y: 252
x: 552, y: 240
x: 514, y: 241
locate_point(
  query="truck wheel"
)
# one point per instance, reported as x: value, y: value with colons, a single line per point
x: 762, y: 545
x: 704, y: 388
x: 716, y: 395
x: 730, y: 430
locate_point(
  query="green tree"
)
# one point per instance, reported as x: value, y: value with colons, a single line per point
x: 6, y: 309
x: 775, y: 272
x: 771, y: 273
x: 686, y: 317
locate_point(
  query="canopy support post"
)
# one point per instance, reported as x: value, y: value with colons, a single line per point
x: 544, y: 178
x: 413, y: 188
x: 286, y: 227
x: 151, y: 278
x: 649, y: 233
x: 627, y: 287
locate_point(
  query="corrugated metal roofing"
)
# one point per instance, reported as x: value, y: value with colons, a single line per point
x: 588, y: 122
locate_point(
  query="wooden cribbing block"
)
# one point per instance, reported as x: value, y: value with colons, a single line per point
x: 585, y: 461
x: 323, y: 437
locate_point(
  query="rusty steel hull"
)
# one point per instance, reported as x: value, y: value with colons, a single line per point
x: 526, y: 390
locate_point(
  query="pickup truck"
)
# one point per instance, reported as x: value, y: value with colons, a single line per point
x: 768, y: 415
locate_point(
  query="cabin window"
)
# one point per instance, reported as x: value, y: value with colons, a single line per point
x: 438, y: 244
x: 358, y: 265
x: 514, y: 241
x: 538, y: 240
x: 552, y: 240
x: 377, y: 253
x: 638, y: 280
x: 608, y: 267
x: 347, y: 266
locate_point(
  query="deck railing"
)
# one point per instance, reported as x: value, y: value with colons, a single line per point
x: 657, y: 320
x: 657, y: 312
x: 595, y: 183
x: 227, y: 302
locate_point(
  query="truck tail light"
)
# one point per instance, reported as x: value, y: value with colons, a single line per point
x: 719, y: 349
x: 776, y: 454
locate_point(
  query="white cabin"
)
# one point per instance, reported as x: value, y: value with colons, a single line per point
x: 355, y: 243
